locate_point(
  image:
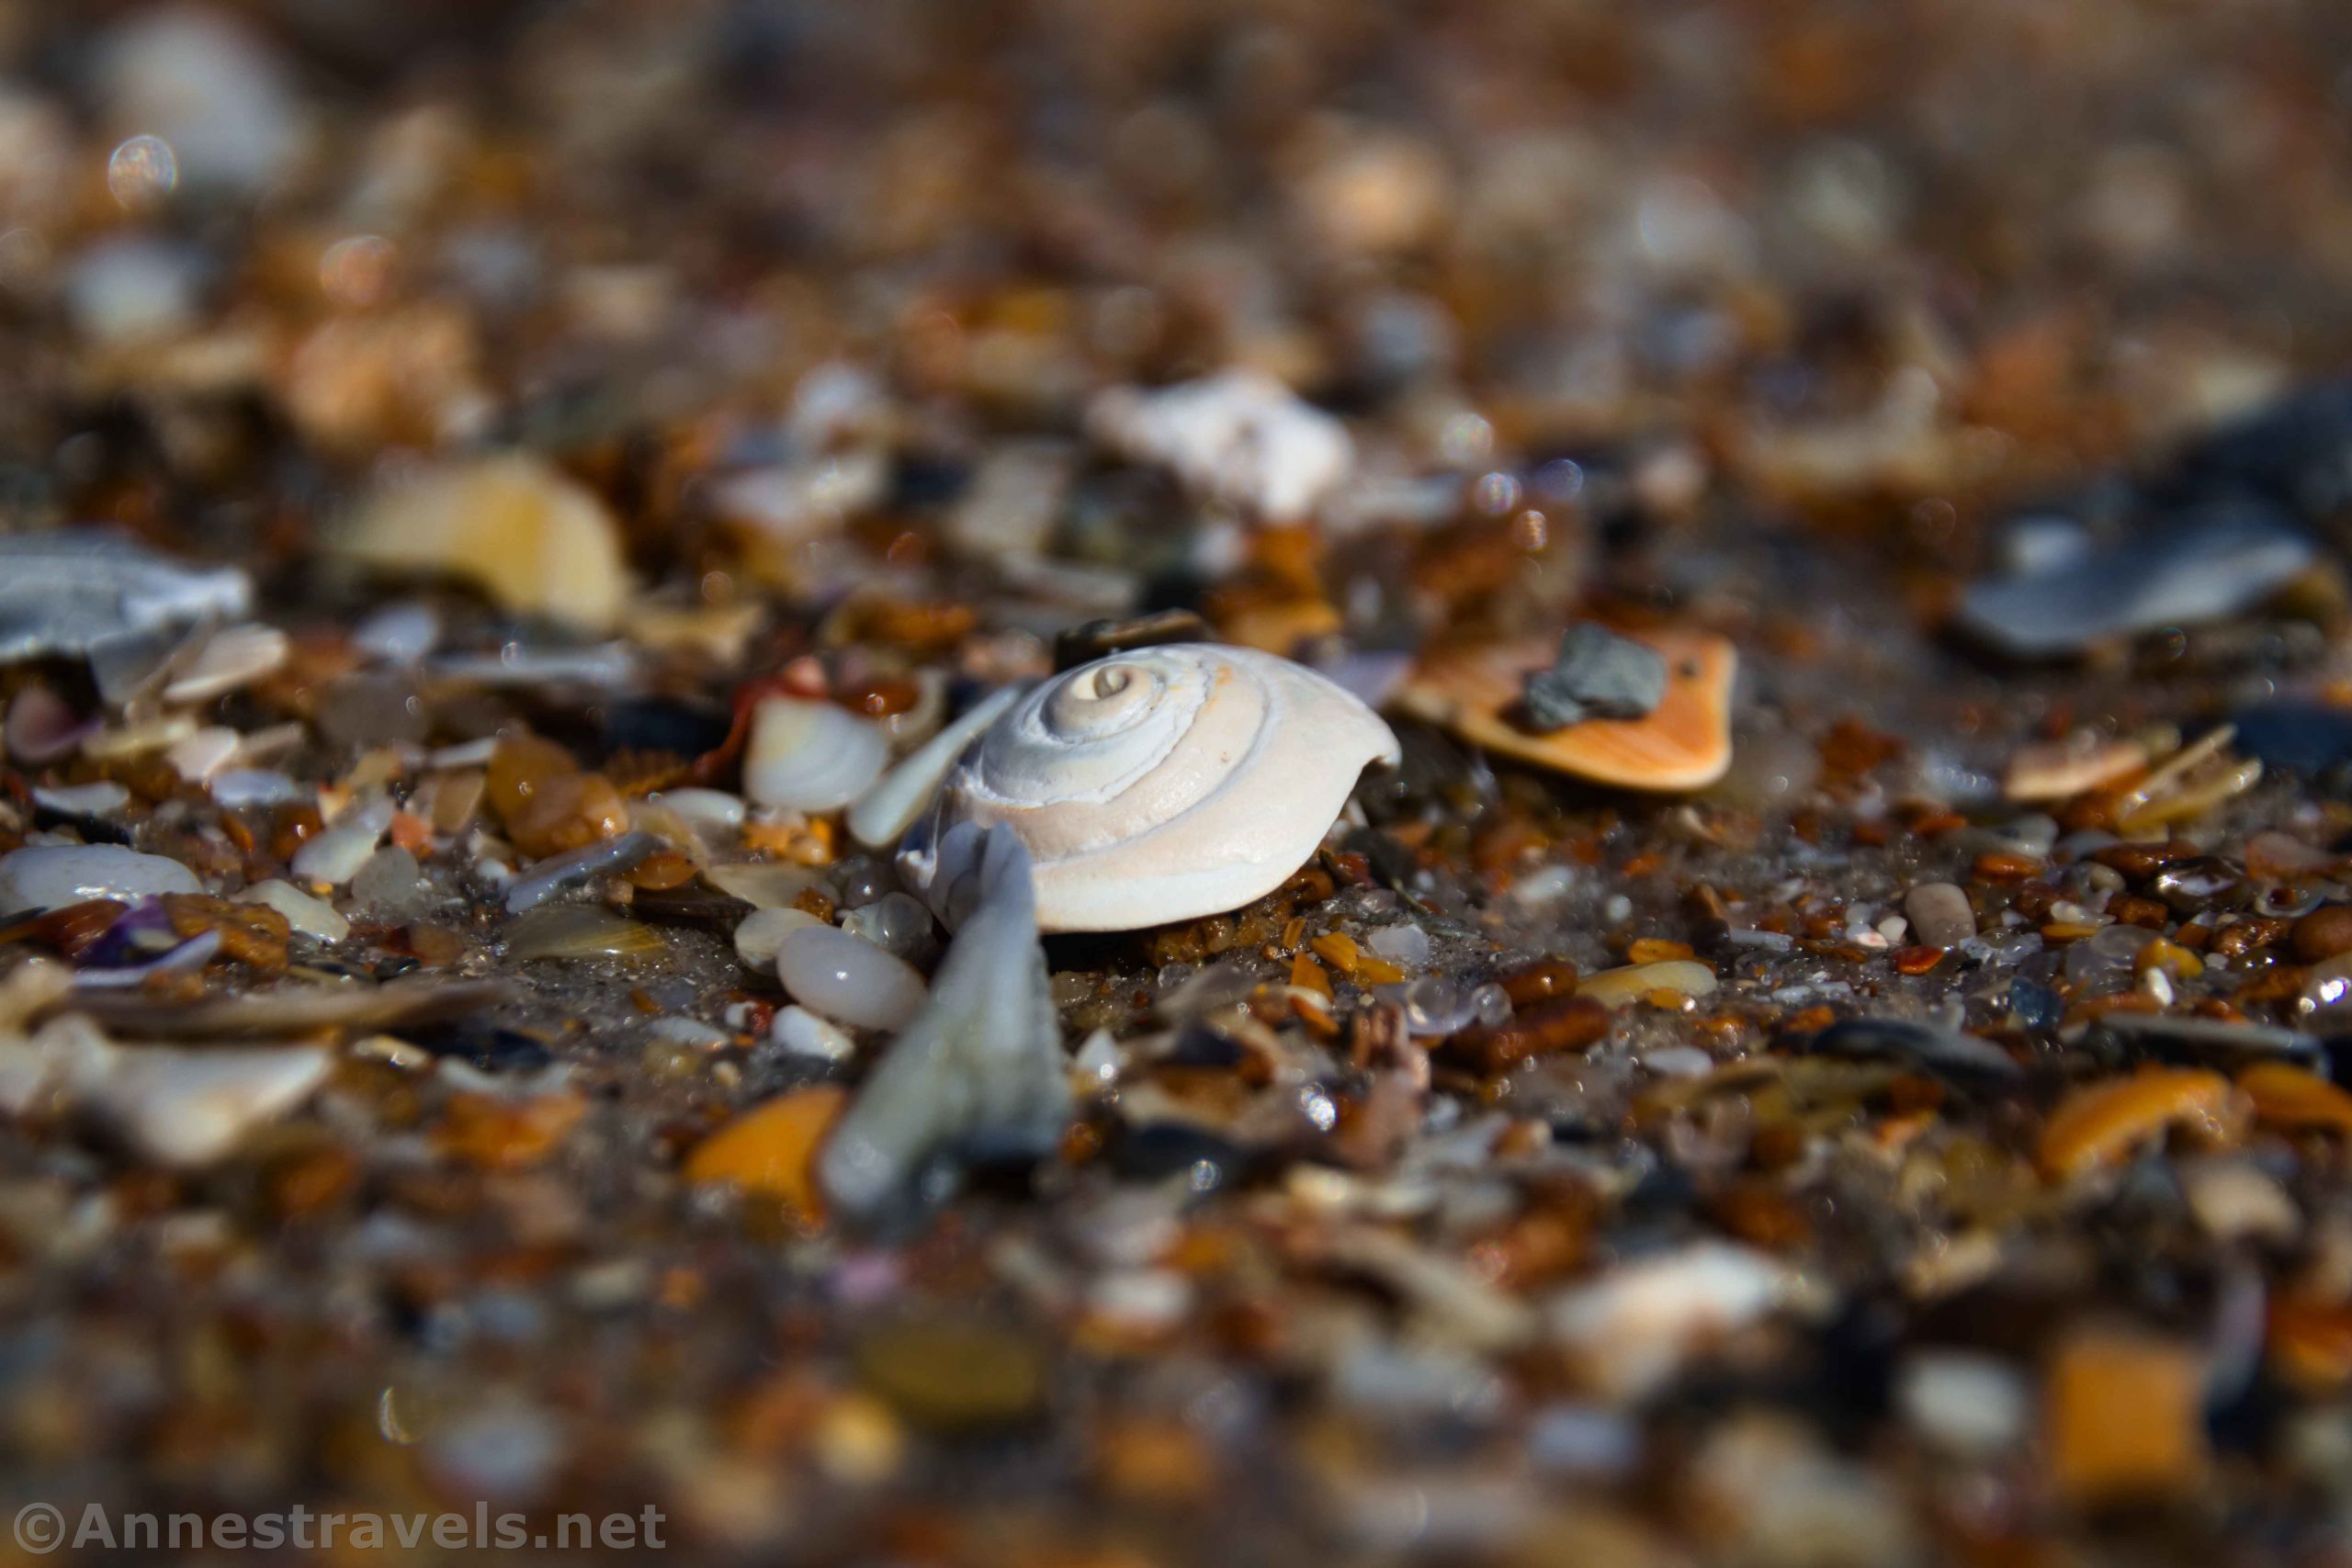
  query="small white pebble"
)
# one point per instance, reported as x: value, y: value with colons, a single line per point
x: 759, y: 933
x: 851, y: 981
x: 1679, y: 1062
x: 84, y: 800
x: 710, y: 810
x: 204, y: 753
x: 253, y: 786
x: 1406, y: 943
x: 691, y: 1033
x: 1964, y: 1401
x: 803, y: 1033
x: 311, y: 917
x: 335, y: 856
x: 1542, y: 889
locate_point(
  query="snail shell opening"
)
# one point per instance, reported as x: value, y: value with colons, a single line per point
x: 1161, y: 784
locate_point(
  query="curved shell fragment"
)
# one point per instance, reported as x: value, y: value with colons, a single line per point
x: 1684, y: 744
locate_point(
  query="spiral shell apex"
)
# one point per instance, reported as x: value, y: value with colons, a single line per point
x: 1161, y: 784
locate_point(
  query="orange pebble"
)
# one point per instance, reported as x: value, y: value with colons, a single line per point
x: 2298, y: 1100
x: 2124, y: 1417
x: 502, y: 1134
x: 771, y: 1149
x: 1337, y: 950
x: 1307, y: 975
x: 2100, y: 1123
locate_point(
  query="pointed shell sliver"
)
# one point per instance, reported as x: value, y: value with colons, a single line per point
x: 1684, y: 745
x: 1161, y: 784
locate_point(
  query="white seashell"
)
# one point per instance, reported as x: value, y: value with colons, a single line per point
x: 811, y: 756
x: 1158, y: 785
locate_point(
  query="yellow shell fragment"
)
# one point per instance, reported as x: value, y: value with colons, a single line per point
x: 1686, y: 744
x: 537, y: 541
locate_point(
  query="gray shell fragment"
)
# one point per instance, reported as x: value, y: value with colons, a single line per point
x: 2202, y: 566
x: 69, y: 591
x: 976, y: 1075
x: 1597, y: 675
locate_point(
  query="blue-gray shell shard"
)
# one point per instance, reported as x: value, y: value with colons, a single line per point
x: 2182, y: 570
x: 66, y: 593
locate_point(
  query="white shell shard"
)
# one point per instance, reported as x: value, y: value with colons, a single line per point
x: 884, y: 813
x: 1161, y: 784
x: 811, y: 756
x: 1239, y: 437
x: 70, y: 590
x: 978, y: 1074
x: 48, y: 876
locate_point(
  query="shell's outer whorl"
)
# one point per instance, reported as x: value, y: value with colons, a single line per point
x: 1158, y: 784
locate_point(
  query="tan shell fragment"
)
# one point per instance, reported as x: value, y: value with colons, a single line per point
x: 537, y: 541
x: 1686, y: 744
x: 1160, y: 783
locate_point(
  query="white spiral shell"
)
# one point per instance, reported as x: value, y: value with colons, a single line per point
x: 1158, y: 785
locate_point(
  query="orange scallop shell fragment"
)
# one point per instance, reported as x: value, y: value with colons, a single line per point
x: 1475, y: 691
x: 2100, y: 1123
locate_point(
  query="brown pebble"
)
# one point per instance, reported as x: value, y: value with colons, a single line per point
x: 2241, y: 937
x: 1540, y: 981
x: 2140, y: 861
x: 2323, y: 933
x: 1562, y: 1023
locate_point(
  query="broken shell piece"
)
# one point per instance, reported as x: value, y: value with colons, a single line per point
x: 535, y: 541
x: 890, y: 808
x: 1161, y: 784
x: 811, y: 756
x: 48, y: 876
x: 311, y: 917
x: 188, y: 1108
x: 1685, y: 744
x: 979, y: 1072
x: 1631, y: 1330
x: 1240, y: 436
x: 2201, y: 566
x: 228, y: 659
x: 2060, y: 770
x: 68, y: 590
